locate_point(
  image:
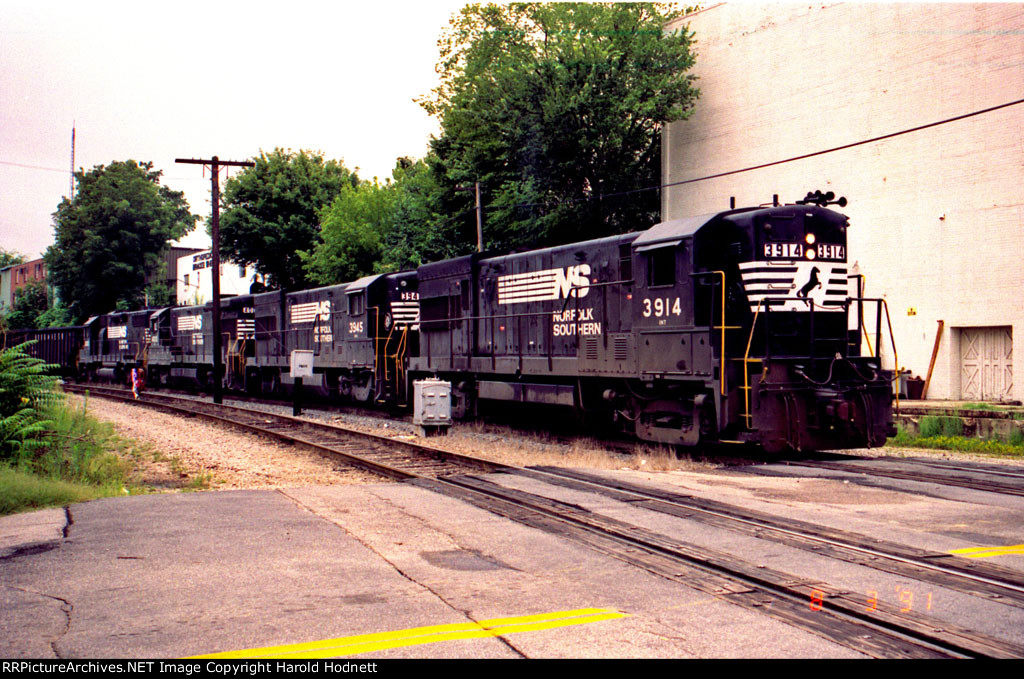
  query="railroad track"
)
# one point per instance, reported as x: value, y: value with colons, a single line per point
x: 1003, y: 482
x: 389, y: 457
x: 831, y: 612
x: 968, y: 576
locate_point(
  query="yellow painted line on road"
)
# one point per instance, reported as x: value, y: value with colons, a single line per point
x: 364, y: 643
x: 985, y: 552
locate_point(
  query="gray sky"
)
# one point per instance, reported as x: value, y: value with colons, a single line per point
x: 187, y: 79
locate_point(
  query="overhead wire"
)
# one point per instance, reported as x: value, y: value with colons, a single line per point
x: 682, y: 182
x: 751, y: 168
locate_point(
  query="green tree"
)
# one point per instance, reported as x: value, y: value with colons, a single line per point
x: 271, y: 212
x: 352, y: 228
x: 113, y: 234
x: 556, y: 109
x: 56, y: 316
x: 30, y: 302
x: 420, y: 230
x: 9, y: 257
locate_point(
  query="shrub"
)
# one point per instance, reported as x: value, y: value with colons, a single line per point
x: 25, y: 391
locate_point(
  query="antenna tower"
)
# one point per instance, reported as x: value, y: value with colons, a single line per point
x: 71, y: 194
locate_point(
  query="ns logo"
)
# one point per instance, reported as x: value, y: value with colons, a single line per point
x: 323, y: 310
x: 544, y: 286
x: 573, y: 281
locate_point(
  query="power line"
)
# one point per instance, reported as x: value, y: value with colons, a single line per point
x: 883, y: 137
x: 846, y: 146
x: 34, y: 167
x: 64, y: 171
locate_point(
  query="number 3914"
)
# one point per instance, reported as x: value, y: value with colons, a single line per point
x: 662, y: 306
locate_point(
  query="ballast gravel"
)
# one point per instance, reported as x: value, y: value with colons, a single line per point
x: 194, y: 454
x: 181, y: 452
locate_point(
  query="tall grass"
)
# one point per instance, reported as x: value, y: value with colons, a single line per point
x: 50, y: 454
x: 932, y: 425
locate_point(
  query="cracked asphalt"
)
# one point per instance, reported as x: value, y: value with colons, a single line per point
x: 178, y: 575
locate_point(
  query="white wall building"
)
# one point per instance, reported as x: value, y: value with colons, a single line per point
x: 195, y: 279
x: 937, y: 214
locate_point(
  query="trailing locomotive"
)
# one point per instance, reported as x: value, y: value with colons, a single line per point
x: 737, y: 326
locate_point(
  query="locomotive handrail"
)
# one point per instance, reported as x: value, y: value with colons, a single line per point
x: 767, y: 302
x: 882, y: 302
x: 723, y: 327
x: 746, y: 365
x: 862, y: 284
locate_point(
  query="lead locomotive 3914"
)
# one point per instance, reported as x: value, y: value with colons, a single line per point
x: 738, y: 326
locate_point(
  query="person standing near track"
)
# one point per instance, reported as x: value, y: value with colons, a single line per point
x: 136, y: 382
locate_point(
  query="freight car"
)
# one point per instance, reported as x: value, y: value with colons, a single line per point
x: 736, y: 326
x: 54, y: 346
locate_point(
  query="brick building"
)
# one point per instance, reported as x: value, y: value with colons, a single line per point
x: 17, y: 276
x: 937, y: 214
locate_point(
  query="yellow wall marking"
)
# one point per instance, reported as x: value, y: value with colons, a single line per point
x: 985, y: 552
x: 364, y: 643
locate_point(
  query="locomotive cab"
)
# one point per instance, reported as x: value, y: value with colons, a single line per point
x: 802, y: 381
x: 744, y: 332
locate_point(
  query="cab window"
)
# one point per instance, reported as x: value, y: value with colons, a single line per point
x: 661, y: 267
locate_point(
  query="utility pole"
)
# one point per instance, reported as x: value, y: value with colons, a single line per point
x: 479, y: 215
x: 479, y: 220
x: 71, y: 190
x: 215, y: 164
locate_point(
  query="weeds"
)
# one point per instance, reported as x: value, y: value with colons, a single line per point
x: 201, y: 481
x: 50, y: 454
x: 1013, y: 446
x: 25, y: 391
x: 21, y: 491
x: 933, y: 425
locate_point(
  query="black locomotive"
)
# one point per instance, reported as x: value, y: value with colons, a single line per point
x: 736, y: 326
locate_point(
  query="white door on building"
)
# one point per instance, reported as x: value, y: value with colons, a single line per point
x: 986, y: 363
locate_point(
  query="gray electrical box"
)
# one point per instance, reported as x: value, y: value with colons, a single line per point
x: 301, y: 363
x: 432, y: 405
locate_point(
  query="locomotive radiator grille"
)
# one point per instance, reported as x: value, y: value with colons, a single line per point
x: 620, y: 348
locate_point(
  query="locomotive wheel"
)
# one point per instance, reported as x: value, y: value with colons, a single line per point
x: 363, y: 392
x: 462, y: 395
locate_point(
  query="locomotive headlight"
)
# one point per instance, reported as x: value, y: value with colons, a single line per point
x: 810, y: 253
x: 809, y: 238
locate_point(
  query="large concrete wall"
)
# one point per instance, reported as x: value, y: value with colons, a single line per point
x: 937, y: 215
